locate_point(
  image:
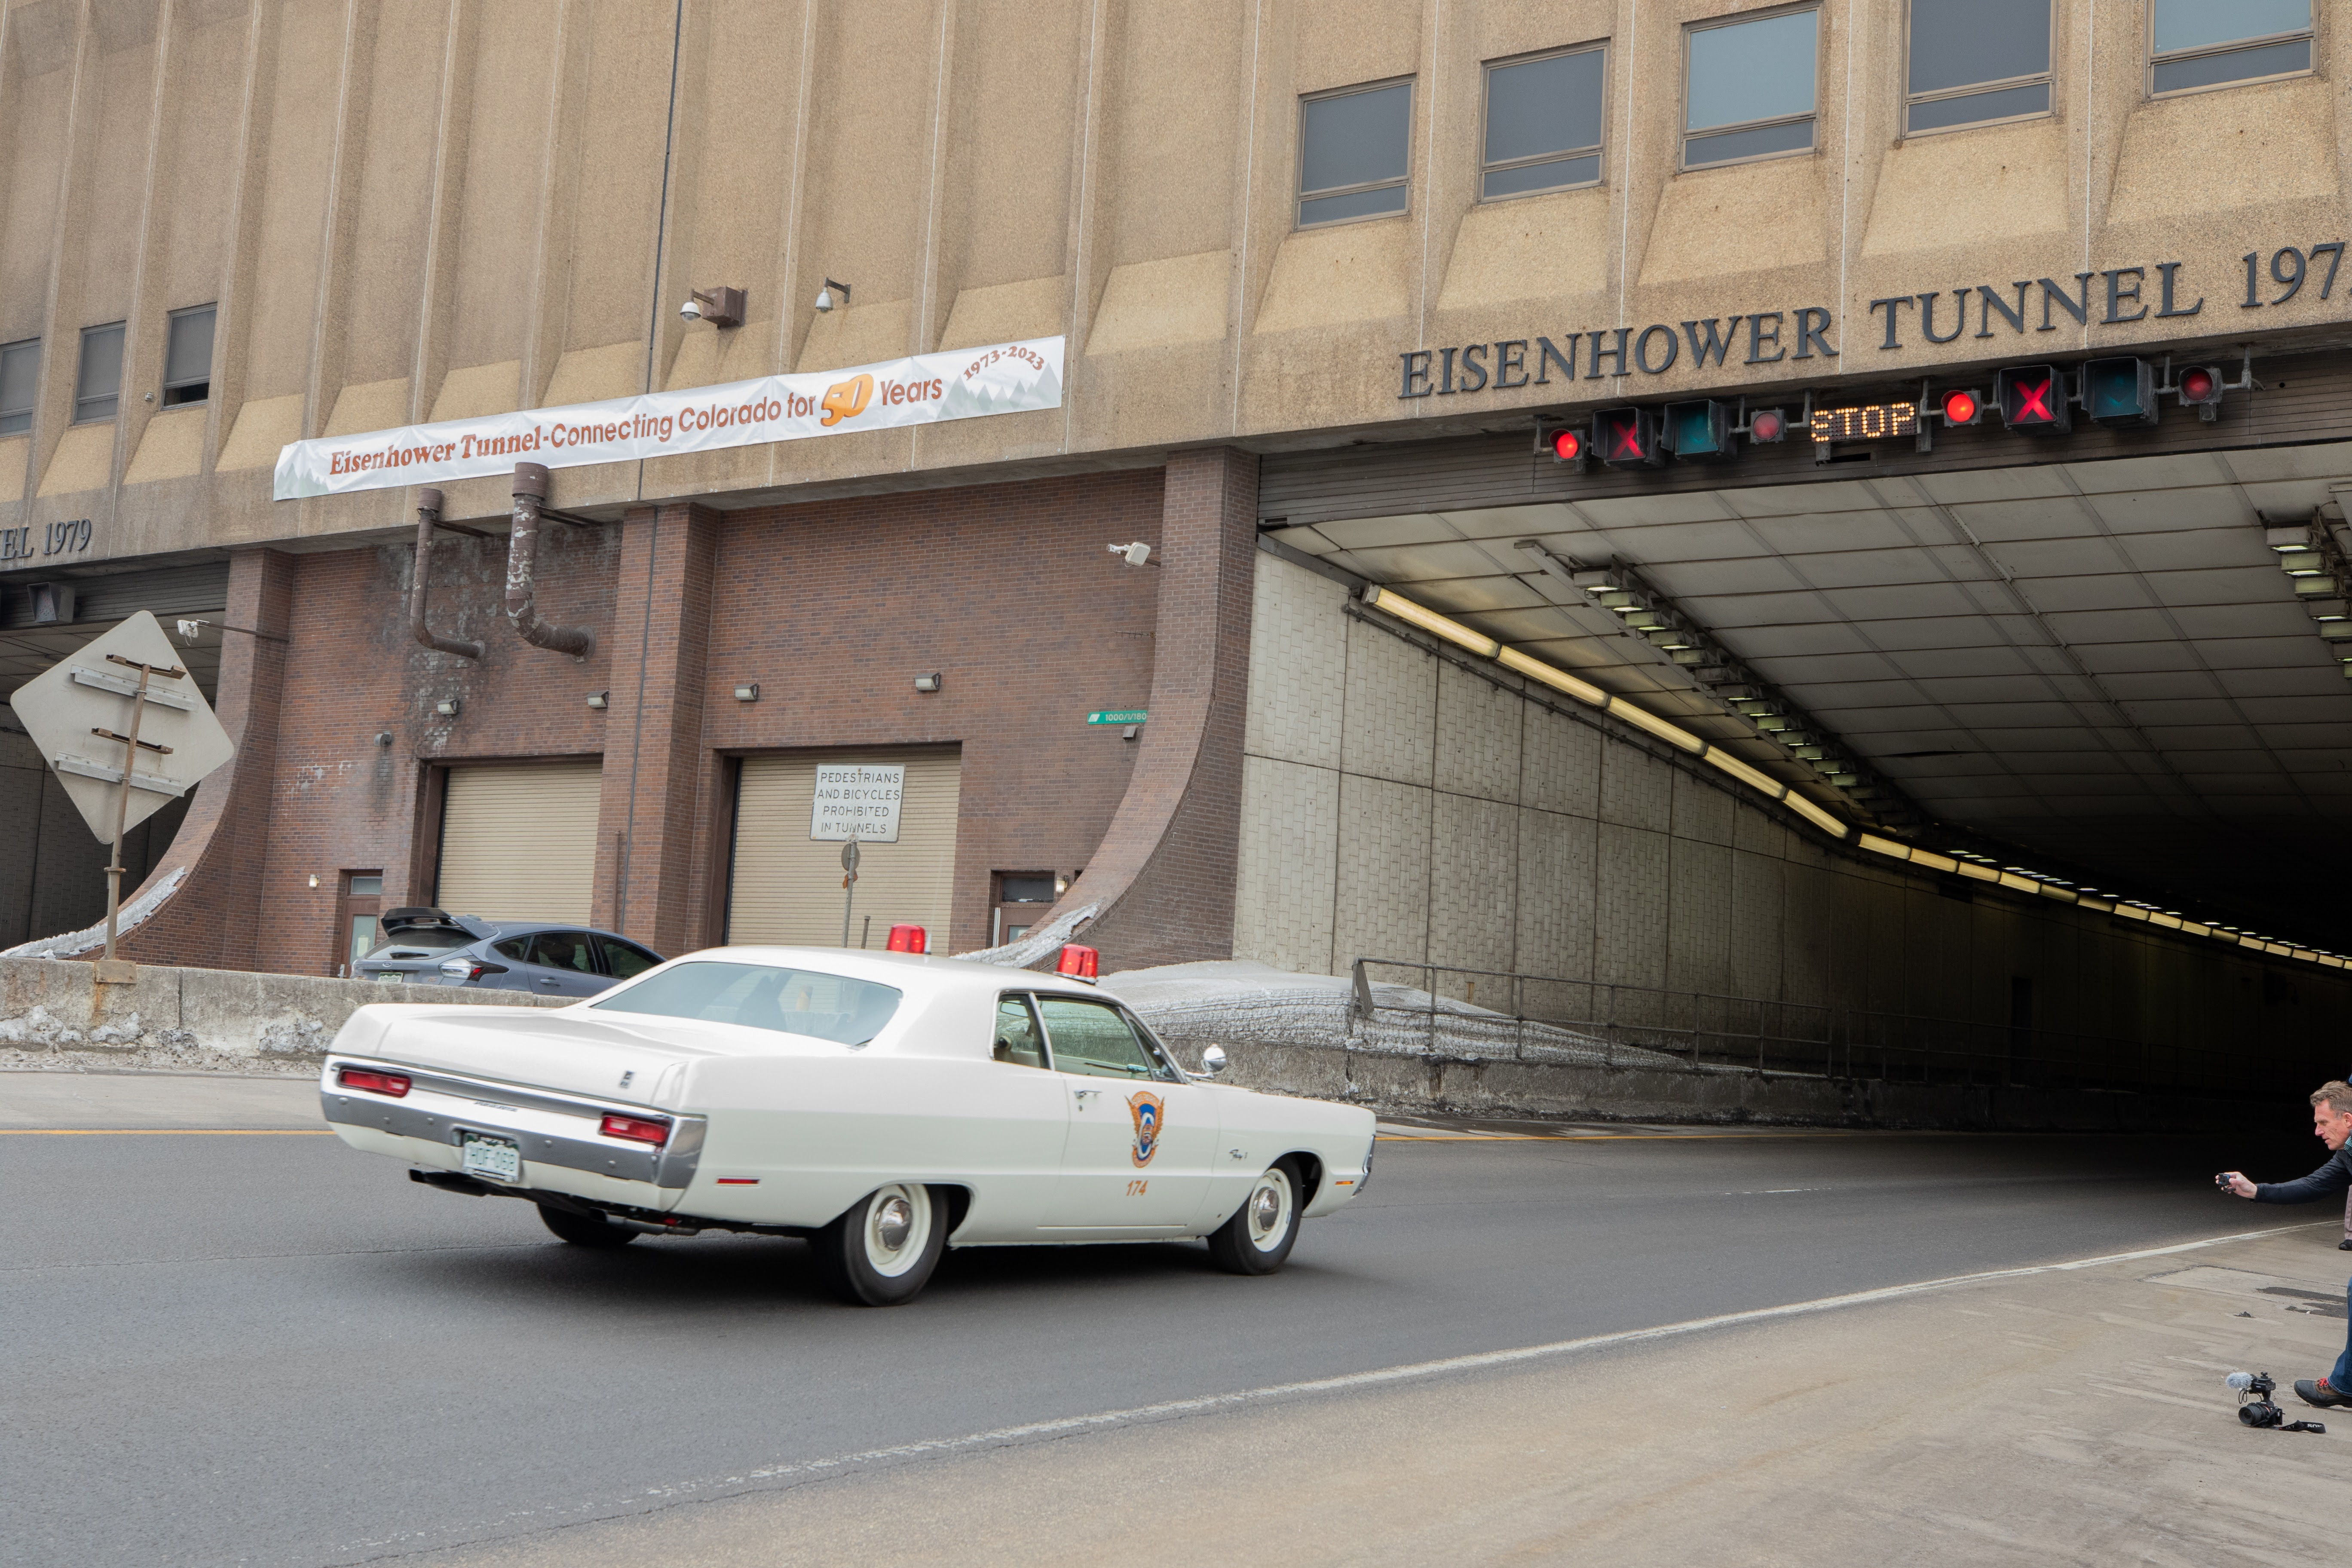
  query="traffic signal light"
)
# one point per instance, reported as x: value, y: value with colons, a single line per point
x: 1701, y: 429
x: 1961, y: 406
x: 1767, y: 424
x: 2200, y: 387
x: 1627, y: 439
x: 2034, y: 397
x: 1565, y: 443
x: 2119, y: 392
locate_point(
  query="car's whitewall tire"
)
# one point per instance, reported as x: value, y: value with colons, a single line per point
x: 1259, y: 1235
x: 882, y: 1251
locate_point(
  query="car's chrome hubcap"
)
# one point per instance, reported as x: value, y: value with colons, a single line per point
x: 893, y: 1222
x: 1268, y: 1210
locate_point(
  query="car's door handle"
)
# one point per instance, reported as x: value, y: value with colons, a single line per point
x: 1084, y: 1093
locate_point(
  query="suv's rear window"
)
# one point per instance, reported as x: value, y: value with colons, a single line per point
x: 790, y: 1001
x: 421, y: 943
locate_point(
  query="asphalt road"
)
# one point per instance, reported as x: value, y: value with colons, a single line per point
x: 264, y: 1348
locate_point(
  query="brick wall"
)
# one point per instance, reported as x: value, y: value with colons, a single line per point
x: 833, y: 609
x: 1395, y: 806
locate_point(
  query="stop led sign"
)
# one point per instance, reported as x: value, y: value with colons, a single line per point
x: 2034, y: 397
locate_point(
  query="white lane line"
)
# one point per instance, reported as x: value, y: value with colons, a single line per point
x: 1474, y: 1362
x: 653, y: 1498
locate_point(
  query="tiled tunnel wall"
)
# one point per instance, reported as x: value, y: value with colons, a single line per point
x: 1396, y: 805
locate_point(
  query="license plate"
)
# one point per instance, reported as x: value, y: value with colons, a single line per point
x: 500, y: 1159
x: 389, y: 977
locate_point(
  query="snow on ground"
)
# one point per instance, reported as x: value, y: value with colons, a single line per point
x: 1240, y: 1001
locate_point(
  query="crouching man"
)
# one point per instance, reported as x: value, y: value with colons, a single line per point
x: 2331, y: 1119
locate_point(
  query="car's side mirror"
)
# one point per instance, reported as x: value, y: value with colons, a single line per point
x: 1213, y: 1060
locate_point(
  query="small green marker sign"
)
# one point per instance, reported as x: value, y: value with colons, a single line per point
x: 1118, y: 716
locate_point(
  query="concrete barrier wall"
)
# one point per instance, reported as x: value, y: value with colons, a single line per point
x: 55, y: 1009
x: 1395, y: 1082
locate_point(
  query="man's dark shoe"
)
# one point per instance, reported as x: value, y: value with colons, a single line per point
x: 2344, y: 1245
x: 2314, y: 1391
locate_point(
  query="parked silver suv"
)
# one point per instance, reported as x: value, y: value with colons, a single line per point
x: 427, y: 947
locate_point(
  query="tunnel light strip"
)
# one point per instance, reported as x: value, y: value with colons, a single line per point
x: 2027, y: 881
x: 1592, y: 695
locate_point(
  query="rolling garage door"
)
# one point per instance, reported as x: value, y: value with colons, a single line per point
x: 785, y: 888
x: 518, y: 840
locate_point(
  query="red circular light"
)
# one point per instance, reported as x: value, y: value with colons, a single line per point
x: 1959, y: 408
x: 1567, y: 446
x: 2197, y: 385
x: 1766, y: 427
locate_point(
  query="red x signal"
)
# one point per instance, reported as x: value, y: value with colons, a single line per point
x: 2034, y: 397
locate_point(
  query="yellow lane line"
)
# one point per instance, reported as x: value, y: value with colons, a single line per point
x: 166, y: 1132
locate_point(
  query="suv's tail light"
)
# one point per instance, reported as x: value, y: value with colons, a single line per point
x: 637, y: 1128
x: 391, y: 1083
x: 464, y: 969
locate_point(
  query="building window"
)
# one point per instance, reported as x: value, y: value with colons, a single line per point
x: 1748, y: 89
x: 100, y: 385
x: 1353, y: 146
x: 1543, y: 123
x: 2196, y: 44
x: 20, y: 378
x: 1977, y: 62
x: 188, y: 357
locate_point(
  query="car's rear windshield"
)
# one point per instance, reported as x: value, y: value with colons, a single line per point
x: 421, y: 942
x: 790, y: 1001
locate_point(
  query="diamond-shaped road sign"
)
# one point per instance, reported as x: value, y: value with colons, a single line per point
x: 79, y: 711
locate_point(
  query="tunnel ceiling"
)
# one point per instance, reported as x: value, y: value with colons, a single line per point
x: 2101, y: 663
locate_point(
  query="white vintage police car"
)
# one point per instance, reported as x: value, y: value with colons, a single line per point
x: 882, y: 1105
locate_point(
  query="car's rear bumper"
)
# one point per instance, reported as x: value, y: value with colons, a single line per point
x: 558, y: 1134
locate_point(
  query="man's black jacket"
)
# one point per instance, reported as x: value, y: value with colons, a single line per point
x: 2333, y: 1177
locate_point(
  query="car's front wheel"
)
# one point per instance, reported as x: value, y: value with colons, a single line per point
x: 881, y: 1252
x: 1262, y: 1231
x: 580, y: 1230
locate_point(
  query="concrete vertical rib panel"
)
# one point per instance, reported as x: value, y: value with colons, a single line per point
x: 222, y: 849
x: 1163, y: 875
x: 1289, y: 837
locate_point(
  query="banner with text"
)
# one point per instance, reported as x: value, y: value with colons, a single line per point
x: 925, y: 389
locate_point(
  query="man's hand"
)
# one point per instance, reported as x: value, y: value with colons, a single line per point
x: 2234, y: 1181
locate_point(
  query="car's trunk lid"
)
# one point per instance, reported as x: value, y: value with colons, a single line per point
x: 571, y: 1051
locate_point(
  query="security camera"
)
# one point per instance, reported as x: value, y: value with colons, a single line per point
x: 689, y: 312
x: 833, y: 293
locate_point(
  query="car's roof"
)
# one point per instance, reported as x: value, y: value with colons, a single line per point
x: 906, y: 971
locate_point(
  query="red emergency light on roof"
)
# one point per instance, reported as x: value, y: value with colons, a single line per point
x: 1077, y: 962
x: 909, y: 939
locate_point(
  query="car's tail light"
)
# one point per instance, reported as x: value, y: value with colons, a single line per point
x: 391, y: 1083
x: 464, y: 968
x: 637, y: 1128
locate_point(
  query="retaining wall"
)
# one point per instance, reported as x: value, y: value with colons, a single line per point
x: 53, y: 1011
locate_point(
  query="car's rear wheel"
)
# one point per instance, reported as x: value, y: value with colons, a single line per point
x: 881, y: 1252
x: 580, y: 1230
x: 1261, y: 1232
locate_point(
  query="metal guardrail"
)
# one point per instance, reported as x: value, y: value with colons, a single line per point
x: 1697, y: 1031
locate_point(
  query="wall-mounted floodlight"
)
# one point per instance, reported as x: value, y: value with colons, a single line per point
x: 447, y: 707
x: 1136, y: 555
x: 927, y: 683
x: 832, y: 294
x: 719, y: 307
x: 597, y: 700
x: 747, y: 692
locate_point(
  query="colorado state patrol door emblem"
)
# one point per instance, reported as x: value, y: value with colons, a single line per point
x: 1146, y: 1109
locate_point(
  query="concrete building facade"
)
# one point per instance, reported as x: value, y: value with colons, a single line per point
x: 1321, y: 286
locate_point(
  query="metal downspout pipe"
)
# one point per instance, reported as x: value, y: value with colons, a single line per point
x: 522, y: 557
x: 428, y: 515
